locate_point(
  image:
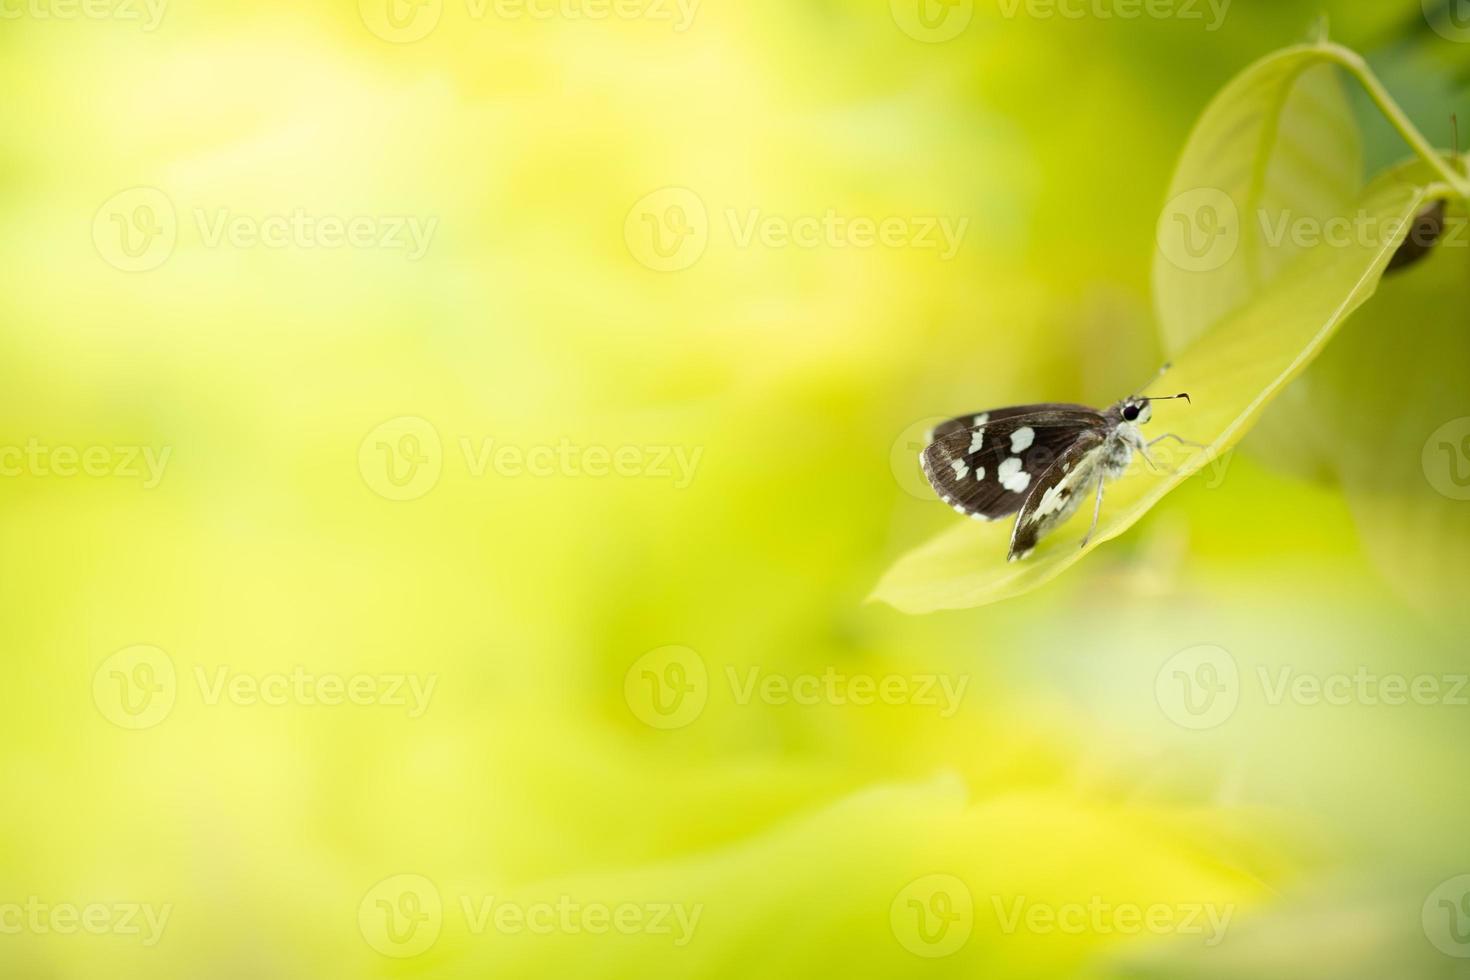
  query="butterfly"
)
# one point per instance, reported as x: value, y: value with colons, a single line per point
x: 1041, y: 460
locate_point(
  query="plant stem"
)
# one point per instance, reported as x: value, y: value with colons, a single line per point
x: 1358, y: 68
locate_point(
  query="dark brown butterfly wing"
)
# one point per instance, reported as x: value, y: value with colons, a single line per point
x: 984, y: 465
x: 1057, y: 494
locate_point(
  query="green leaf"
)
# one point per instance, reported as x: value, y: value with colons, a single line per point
x: 1278, y: 148
x: 1278, y: 142
x: 1233, y: 370
x: 1393, y: 394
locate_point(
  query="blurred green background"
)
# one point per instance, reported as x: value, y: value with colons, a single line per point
x: 447, y: 447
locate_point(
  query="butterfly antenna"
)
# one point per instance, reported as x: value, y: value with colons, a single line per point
x: 1154, y: 380
x: 1164, y: 398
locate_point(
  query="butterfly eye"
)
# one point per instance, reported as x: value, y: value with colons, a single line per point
x: 1130, y: 412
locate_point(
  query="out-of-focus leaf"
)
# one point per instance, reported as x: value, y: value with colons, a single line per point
x: 1233, y: 371
x: 1394, y: 395
x: 1337, y: 930
x: 894, y: 881
x: 1279, y: 141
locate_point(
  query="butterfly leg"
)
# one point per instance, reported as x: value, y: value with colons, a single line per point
x: 1179, y: 439
x: 1167, y: 435
x: 1096, y: 510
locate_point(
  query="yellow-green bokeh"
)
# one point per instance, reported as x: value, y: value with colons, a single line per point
x: 760, y: 391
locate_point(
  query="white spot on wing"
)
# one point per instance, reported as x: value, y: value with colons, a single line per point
x: 979, y: 473
x: 1022, y: 438
x: 960, y: 469
x: 1052, y: 500
x: 1011, y: 476
x: 978, y: 439
x: 982, y: 418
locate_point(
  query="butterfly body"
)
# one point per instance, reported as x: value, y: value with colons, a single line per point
x: 1038, y: 461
